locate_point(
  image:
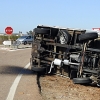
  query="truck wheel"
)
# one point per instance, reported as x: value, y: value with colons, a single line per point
x: 82, y: 80
x: 73, y: 74
x: 25, y: 43
x: 88, y: 36
x: 37, y: 69
x: 64, y: 37
x: 41, y: 31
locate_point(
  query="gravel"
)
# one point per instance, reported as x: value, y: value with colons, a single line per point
x: 60, y: 88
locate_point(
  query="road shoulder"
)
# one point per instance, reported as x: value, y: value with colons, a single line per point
x: 28, y: 87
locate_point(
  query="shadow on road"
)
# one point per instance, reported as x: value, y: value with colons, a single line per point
x: 24, y: 47
x: 15, y: 70
x: 19, y: 48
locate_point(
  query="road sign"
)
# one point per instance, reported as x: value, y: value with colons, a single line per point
x: 7, y: 42
x: 8, y: 30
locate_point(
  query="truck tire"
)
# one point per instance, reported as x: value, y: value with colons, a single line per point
x: 66, y: 37
x: 42, y: 31
x: 73, y: 74
x: 37, y: 69
x: 88, y: 36
x: 82, y: 80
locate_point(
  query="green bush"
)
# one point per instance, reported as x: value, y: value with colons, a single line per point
x: 4, y: 38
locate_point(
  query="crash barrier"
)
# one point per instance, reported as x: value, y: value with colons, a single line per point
x: 11, y: 44
x: 16, y: 44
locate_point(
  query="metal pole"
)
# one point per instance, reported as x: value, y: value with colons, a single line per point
x: 9, y: 40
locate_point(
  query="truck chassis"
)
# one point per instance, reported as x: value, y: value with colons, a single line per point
x: 74, y: 53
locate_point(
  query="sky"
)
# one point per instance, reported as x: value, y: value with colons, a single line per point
x: 25, y: 15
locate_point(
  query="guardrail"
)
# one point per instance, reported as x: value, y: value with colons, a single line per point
x: 16, y: 43
x: 9, y: 43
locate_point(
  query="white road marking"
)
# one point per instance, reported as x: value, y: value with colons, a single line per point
x: 15, y: 84
x: 8, y: 49
x: 19, y: 49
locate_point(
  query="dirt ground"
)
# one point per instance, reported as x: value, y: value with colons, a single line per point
x: 61, y: 88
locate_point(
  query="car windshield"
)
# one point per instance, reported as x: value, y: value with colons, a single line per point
x: 22, y: 37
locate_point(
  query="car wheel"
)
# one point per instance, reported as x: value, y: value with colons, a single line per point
x: 29, y: 43
x: 25, y: 43
x: 41, y: 31
x: 82, y: 80
x: 88, y: 36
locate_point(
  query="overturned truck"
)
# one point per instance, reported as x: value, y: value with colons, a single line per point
x: 74, y: 53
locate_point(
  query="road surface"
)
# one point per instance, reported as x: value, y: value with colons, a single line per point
x: 17, y: 82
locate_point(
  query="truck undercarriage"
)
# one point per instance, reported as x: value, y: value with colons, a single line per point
x: 74, y: 53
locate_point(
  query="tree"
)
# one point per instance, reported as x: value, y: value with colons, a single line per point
x: 20, y: 33
x: 30, y: 32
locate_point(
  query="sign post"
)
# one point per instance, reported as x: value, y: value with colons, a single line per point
x: 9, y: 31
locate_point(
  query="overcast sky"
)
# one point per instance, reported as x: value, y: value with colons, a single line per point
x: 24, y: 15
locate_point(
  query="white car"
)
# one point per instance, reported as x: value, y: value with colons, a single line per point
x: 25, y: 39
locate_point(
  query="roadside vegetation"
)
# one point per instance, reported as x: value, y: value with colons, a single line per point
x: 12, y: 38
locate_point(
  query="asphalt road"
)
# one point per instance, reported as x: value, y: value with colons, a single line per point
x: 17, y: 81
